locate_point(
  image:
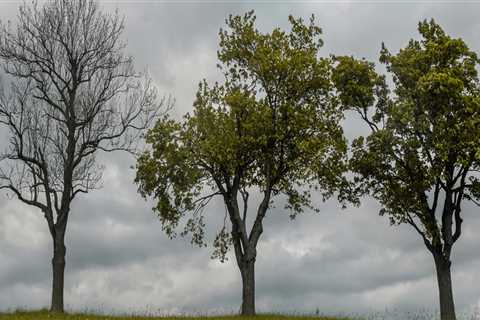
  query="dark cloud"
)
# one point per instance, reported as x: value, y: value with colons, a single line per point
x: 338, y: 260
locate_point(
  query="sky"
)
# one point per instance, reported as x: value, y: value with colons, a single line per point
x: 339, y: 261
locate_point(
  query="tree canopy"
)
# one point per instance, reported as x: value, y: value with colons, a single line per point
x: 273, y: 125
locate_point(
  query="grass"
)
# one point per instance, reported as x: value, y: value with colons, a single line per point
x: 45, y: 315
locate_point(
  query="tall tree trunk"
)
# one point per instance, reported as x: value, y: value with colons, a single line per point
x: 247, y: 269
x: 444, y: 278
x: 58, y: 268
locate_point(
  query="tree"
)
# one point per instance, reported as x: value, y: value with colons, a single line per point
x: 272, y: 127
x: 422, y: 156
x: 73, y: 93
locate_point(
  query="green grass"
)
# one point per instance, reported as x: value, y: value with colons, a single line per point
x: 44, y: 315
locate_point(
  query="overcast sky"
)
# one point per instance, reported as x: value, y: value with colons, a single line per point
x: 340, y: 261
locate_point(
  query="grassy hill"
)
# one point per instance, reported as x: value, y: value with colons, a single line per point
x: 45, y: 315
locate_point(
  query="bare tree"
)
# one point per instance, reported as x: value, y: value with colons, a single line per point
x: 72, y: 92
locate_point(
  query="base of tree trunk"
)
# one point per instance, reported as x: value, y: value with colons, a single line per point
x: 444, y: 278
x: 248, y: 288
x: 58, y: 273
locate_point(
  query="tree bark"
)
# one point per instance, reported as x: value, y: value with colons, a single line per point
x: 247, y: 269
x: 58, y: 269
x: 444, y: 278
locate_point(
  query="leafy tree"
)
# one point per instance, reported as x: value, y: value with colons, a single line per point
x: 73, y: 93
x: 422, y: 157
x: 271, y: 127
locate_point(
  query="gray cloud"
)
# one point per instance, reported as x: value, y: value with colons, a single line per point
x: 338, y: 260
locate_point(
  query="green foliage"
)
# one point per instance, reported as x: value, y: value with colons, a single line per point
x: 425, y: 137
x: 273, y: 126
x: 357, y: 83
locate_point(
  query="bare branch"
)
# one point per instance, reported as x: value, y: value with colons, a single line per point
x: 71, y: 92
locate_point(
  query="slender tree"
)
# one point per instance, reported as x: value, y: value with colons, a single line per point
x: 270, y: 128
x: 72, y: 93
x: 421, y: 159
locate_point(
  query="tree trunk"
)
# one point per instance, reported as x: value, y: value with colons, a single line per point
x: 58, y: 268
x: 447, y: 306
x: 247, y: 269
